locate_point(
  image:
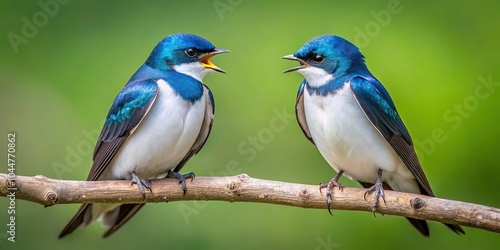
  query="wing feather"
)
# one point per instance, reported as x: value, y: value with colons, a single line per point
x: 129, y: 108
x: 126, y: 211
x: 300, y: 113
x: 380, y: 110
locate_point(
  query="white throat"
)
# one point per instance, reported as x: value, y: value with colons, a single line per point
x: 316, y: 77
x: 194, y: 69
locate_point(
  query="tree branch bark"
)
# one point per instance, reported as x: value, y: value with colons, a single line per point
x: 242, y: 188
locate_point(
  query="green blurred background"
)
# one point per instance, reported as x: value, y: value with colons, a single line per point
x: 57, y: 87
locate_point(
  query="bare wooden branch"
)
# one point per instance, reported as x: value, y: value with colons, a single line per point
x: 242, y: 188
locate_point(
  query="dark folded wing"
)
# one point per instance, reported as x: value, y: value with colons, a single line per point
x: 378, y: 107
x: 126, y: 211
x: 299, y: 112
x: 128, y: 109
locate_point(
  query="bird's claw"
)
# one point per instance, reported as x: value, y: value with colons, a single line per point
x: 329, y: 187
x: 378, y: 190
x: 182, y: 178
x: 141, y: 184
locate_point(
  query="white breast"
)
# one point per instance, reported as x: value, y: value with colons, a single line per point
x: 348, y: 141
x: 163, y: 137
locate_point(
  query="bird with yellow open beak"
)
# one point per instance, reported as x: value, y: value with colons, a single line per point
x: 158, y: 121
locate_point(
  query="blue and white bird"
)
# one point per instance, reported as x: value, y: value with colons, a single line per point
x: 158, y: 121
x: 350, y: 117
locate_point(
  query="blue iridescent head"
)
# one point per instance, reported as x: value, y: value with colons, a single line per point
x: 186, y: 53
x: 327, y: 57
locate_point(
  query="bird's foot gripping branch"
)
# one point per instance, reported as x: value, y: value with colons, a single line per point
x: 243, y: 188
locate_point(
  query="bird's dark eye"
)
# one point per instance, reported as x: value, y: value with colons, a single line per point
x: 318, y: 58
x: 191, y: 52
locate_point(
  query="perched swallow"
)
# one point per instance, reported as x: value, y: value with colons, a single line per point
x: 158, y: 121
x: 350, y: 117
